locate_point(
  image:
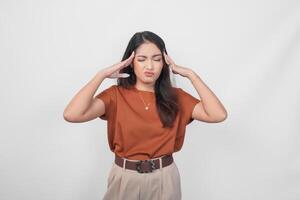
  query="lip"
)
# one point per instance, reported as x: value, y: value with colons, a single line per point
x: 149, y: 73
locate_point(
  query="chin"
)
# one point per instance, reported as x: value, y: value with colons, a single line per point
x: 149, y: 80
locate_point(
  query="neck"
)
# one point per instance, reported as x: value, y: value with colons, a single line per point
x: 145, y: 88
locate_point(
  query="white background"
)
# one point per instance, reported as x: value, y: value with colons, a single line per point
x: 247, y: 52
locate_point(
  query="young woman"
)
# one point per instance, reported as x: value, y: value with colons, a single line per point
x: 146, y: 118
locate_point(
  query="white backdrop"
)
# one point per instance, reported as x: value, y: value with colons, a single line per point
x: 247, y: 52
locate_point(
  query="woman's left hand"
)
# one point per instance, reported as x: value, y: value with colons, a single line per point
x: 176, y: 69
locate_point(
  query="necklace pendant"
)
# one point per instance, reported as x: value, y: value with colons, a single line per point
x: 146, y: 107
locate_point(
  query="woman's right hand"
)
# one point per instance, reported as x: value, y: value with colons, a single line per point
x: 113, y: 71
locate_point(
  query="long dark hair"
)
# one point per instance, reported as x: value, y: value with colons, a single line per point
x: 166, y: 98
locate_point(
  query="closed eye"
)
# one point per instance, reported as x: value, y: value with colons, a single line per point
x: 154, y: 60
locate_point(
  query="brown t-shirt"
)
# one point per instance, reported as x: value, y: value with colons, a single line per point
x: 136, y: 133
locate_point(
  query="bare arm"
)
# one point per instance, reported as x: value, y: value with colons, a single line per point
x: 84, y: 99
x: 83, y: 106
x: 209, y: 109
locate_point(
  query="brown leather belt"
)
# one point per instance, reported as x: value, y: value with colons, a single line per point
x: 144, y: 166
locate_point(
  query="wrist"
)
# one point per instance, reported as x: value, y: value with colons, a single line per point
x: 192, y: 75
x: 101, y: 75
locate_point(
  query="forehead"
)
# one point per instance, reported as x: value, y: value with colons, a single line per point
x: 147, y: 49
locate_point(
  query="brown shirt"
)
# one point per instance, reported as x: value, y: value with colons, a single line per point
x: 136, y: 133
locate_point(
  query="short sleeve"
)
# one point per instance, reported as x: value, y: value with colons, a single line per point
x: 108, y: 97
x: 188, y: 102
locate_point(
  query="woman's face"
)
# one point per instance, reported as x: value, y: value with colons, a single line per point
x: 148, y: 58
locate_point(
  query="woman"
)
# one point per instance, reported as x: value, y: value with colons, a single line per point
x: 146, y: 118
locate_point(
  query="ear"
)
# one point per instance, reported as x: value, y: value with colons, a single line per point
x: 166, y: 59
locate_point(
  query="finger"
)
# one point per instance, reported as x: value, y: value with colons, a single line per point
x: 170, y: 62
x: 170, y: 59
x: 167, y: 61
x: 127, y: 63
x: 124, y: 63
x: 123, y: 75
x: 129, y: 59
x: 119, y: 66
x: 131, y: 56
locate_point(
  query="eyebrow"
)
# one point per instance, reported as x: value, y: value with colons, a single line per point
x: 146, y: 56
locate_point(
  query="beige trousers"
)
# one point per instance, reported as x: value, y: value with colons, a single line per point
x: 127, y: 184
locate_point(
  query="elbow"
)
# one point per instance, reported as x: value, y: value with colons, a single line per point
x: 67, y: 117
x: 219, y: 118
x: 223, y: 117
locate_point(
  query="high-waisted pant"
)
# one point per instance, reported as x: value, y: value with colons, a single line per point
x: 160, y: 184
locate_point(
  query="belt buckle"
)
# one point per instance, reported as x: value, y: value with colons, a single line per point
x: 140, y: 162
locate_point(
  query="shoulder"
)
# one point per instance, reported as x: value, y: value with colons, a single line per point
x: 176, y: 89
x: 186, y: 96
x: 107, y: 92
x: 179, y: 91
x: 116, y: 90
x: 112, y: 88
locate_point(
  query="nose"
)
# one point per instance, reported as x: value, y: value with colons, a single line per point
x: 149, y: 65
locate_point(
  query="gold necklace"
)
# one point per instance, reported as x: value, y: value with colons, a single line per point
x: 146, y: 106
